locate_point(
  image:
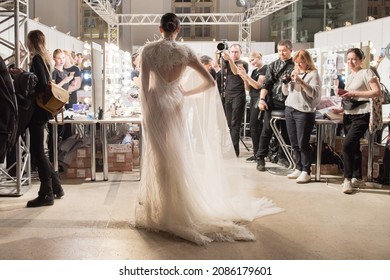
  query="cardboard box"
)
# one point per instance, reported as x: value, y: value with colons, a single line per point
x: 78, y: 172
x: 83, y: 152
x: 377, y: 159
x: 120, y: 148
x: 119, y: 166
x: 120, y: 157
x: 80, y: 162
x: 326, y: 169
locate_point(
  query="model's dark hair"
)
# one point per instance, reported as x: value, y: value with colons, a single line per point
x: 358, y: 52
x: 169, y: 22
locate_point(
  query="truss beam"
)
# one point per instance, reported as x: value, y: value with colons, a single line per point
x: 264, y: 8
x: 185, y: 19
x: 104, y: 9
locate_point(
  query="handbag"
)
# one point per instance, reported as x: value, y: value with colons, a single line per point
x: 53, y: 98
x: 376, y: 120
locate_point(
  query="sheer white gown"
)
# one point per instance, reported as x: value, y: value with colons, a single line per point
x: 191, y: 183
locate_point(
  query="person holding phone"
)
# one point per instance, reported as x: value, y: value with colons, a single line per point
x: 62, y: 78
x: 253, y: 85
x: 303, y: 95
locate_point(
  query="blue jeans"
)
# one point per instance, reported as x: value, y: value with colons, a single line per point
x: 299, y: 127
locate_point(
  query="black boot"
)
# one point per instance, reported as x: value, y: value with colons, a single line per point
x: 260, y: 164
x: 58, y: 191
x: 47, y: 200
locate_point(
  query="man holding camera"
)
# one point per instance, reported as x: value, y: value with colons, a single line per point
x: 235, y: 96
x: 272, y: 98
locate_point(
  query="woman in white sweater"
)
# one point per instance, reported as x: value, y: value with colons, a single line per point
x: 304, y: 93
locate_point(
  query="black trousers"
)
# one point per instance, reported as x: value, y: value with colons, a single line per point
x: 299, y: 127
x: 35, y: 119
x: 266, y: 135
x: 355, y: 126
x: 255, y: 124
x: 234, y: 111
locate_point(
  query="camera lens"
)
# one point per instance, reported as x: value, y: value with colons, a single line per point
x: 221, y: 46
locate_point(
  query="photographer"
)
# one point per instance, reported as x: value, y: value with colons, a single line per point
x: 272, y: 98
x: 235, y: 96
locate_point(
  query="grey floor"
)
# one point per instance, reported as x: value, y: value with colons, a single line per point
x: 93, y: 221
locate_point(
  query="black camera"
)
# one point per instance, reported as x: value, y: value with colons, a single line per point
x: 222, y: 46
x: 286, y: 79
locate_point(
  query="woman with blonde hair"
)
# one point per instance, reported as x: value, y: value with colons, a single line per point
x: 253, y: 84
x: 303, y: 90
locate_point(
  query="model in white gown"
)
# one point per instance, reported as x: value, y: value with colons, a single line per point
x: 191, y: 185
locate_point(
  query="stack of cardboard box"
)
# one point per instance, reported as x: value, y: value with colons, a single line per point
x: 120, y: 157
x: 80, y: 166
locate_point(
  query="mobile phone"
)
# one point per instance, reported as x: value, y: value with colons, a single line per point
x: 341, y: 92
x: 383, y: 52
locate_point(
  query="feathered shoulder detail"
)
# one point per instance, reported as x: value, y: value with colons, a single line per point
x: 166, y: 54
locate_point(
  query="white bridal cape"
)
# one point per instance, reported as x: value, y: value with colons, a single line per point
x: 191, y: 184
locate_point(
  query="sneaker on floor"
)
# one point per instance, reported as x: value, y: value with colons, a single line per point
x: 260, y: 164
x: 295, y: 174
x: 251, y: 159
x: 358, y: 182
x: 347, y: 187
x: 303, y: 178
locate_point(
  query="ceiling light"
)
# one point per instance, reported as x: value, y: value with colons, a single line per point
x: 242, y: 3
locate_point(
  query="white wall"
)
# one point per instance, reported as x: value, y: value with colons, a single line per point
x: 376, y: 31
x: 56, y: 39
x: 63, y: 14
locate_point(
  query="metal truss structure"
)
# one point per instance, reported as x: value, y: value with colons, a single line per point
x: 14, y: 15
x: 259, y: 10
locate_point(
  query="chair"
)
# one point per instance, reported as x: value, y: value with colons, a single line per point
x: 277, y: 116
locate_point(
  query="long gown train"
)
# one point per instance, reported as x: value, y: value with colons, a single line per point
x: 191, y: 183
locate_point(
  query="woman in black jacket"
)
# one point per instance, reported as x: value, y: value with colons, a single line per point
x: 36, y: 120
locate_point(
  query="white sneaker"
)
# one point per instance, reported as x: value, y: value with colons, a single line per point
x: 295, y: 174
x: 303, y: 178
x: 347, y: 187
x: 358, y: 182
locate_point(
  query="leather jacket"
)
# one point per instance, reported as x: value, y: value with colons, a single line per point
x: 276, y: 70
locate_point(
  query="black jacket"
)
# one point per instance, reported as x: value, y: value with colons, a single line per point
x: 273, y: 82
x: 9, y: 112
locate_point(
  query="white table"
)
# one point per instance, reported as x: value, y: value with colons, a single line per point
x: 92, y: 125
